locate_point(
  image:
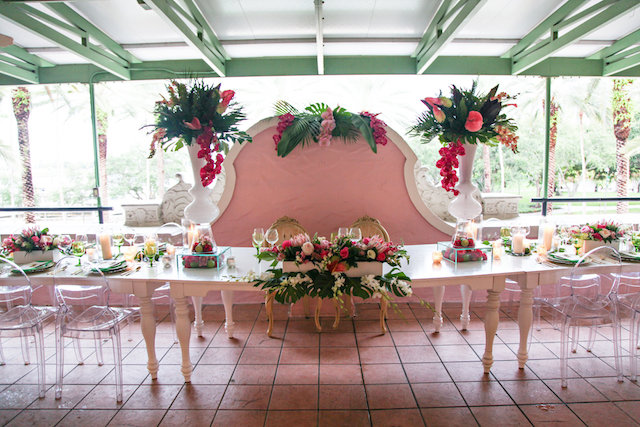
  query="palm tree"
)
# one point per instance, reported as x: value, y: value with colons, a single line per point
x: 621, y: 129
x: 21, y: 100
x: 553, y: 139
x: 102, y: 124
x: 486, y: 158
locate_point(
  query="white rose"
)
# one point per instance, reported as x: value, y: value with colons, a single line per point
x: 307, y: 248
x: 605, y: 233
x: 371, y: 254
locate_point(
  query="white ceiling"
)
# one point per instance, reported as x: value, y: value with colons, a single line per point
x: 285, y: 28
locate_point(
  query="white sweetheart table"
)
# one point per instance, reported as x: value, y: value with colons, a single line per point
x: 197, y: 283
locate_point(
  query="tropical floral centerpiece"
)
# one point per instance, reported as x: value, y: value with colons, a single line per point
x: 602, y: 231
x: 332, y: 260
x: 465, y: 118
x: 29, y: 240
x: 202, y: 114
x: 320, y: 124
x: 203, y: 244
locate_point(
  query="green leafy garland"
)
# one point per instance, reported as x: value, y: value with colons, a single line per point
x: 303, y: 127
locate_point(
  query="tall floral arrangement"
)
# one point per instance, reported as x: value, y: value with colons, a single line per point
x: 199, y: 112
x: 321, y: 124
x: 465, y: 117
x: 601, y: 231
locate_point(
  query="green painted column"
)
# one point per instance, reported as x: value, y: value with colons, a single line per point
x: 547, y: 139
x: 94, y: 128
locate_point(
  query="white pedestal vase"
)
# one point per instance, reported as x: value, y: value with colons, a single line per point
x: 201, y: 210
x: 464, y: 206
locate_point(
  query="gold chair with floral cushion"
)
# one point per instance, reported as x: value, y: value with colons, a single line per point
x: 370, y: 227
x: 287, y: 227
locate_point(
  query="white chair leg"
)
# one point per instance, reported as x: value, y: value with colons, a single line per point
x: 575, y: 337
x: 42, y: 378
x: 615, y: 325
x: 2, y: 359
x: 24, y: 342
x: 634, y: 327
x: 77, y: 348
x: 564, y: 351
x: 98, y: 345
x: 592, y: 336
x: 59, y: 362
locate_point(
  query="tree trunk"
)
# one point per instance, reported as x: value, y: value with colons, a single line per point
x: 21, y: 100
x: 501, y: 160
x: 161, y: 173
x: 487, y: 168
x: 621, y: 129
x: 553, y: 138
x: 102, y: 120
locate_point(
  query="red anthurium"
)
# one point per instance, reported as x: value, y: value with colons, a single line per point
x: 474, y: 121
x: 432, y: 102
x: 225, y: 98
x: 194, y: 125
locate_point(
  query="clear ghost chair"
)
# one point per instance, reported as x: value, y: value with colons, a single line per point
x: 628, y: 298
x: 18, y: 317
x: 587, y: 304
x: 84, y: 313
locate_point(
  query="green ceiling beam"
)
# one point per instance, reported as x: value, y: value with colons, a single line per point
x: 621, y: 65
x: 544, y: 27
x: 623, y: 43
x: 431, y: 30
x: 19, y: 73
x: 428, y: 56
x: 21, y: 53
x: 18, y: 16
x: 52, y: 20
x: 94, y: 32
x: 581, y: 15
x: 621, y: 55
x: 165, y: 8
x: 582, y: 30
x: 197, y: 14
x: 18, y: 62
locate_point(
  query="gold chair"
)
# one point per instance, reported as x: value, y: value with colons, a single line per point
x: 287, y: 227
x: 369, y: 227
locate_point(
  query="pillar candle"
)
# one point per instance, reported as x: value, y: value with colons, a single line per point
x: 105, y: 245
x: 547, y: 236
x: 517, y: 244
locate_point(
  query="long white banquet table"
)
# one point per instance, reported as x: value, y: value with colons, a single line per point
x: 185, y: 283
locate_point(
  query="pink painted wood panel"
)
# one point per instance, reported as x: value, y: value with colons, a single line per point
x: 323, y: 188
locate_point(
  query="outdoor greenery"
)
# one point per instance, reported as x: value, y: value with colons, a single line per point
x: 62, y: 153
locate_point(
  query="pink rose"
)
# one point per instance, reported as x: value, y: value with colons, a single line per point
x: 381, y: 257
x: 474, y: 121
x: 597, y: 236
x: 365, y: 240
x: 286, y: 244
x: 307, y: 248
x: 344, y: 252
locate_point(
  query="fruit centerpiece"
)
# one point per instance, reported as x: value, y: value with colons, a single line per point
x: 204, y: 254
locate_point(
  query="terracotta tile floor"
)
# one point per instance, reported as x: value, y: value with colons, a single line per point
x: 351, y: 376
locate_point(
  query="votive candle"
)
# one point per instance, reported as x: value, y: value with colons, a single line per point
x: 436, y: 256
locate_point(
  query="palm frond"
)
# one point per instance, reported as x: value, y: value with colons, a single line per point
x: 303, y: 130
x: 283, y: 107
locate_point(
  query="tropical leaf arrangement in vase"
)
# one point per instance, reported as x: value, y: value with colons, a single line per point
x: 318, y: 123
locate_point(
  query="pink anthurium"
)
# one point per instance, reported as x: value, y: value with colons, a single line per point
x: 474, y: 121
x: 194, y: 125
x: 438, y: 114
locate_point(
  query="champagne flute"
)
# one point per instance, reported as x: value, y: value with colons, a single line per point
x: 356, y: 234
x: 272, y: 236
x: 130, y: 236
x: 258, y: 238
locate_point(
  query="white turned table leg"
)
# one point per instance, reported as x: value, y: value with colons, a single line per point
x: 465, y: 317
x: 148, y: 327
x: 438, y: 296
x: 183, y: 330
x: 490, y: 327
x: 198, y: 323
x: 227, y: 301
x: 525, y: 319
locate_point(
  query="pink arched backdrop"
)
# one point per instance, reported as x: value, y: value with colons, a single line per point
x: 323, y: 188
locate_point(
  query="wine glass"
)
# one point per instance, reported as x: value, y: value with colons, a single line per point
x: 79, y: 247
x: 64, y: 243
x: 525, y: 229
x: 151, y: 248
x: 258, y: 238
x: 118, y: 240
x: 356, y: 234
x: 343, y: 231
x: 272, y: 236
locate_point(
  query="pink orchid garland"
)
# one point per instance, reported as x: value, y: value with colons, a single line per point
x: 378, y: 128
x: 327, y: 126
x: 447, y: 164
x: 284, y: 122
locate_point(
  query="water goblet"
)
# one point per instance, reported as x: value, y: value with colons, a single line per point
x: 118, y: 240
x: 272, y: 236
x: 130, y: 236
x: 356, y: 234
x: 79, y: 247
x: 64, y: 243
x: 343, y: 231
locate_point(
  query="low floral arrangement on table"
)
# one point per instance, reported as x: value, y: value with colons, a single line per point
x: 319, y: 123
x: 31, y: 239
x: 331, y: 260
x: 602, y: 231
x: 635, y: 240
x: 202, y: 112
x: 465, y: 118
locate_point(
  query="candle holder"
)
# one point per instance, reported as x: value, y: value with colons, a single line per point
x: 518, y: 235
x: 436, y: 256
